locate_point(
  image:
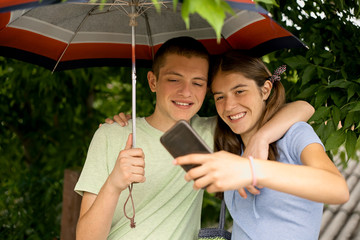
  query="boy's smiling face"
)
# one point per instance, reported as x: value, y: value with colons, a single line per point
x: 180, y: 88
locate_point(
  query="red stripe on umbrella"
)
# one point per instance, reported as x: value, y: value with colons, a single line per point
x: 15, y: 2
x: 35, y: 43
x: 250, y: 36
x: 4, y: 19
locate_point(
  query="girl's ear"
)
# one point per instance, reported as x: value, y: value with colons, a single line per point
x: 152, y: 81
x: 266, y: 89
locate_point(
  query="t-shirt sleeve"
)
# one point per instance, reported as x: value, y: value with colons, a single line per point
x: 298, y: 137
x: 95, y: 170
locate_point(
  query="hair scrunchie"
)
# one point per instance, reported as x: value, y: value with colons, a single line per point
x: 276, y: 75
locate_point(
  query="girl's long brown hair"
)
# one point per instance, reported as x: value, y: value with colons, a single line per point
x: 252, y: 68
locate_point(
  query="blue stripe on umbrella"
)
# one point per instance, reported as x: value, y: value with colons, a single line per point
x: 247, y: 6
x: 34, y: 4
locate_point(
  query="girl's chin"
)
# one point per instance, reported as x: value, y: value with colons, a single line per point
x: 236, y: 130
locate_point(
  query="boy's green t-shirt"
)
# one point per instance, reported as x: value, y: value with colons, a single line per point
x: 166, y: 205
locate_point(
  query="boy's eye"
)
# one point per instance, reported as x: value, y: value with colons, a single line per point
x: 198, y: 84
x: 218, y: 98
x: 239, y: 91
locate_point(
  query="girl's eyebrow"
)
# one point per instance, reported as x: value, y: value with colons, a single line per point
x: 233, y: 88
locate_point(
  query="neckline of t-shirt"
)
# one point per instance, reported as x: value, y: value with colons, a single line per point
x: 151, y: 128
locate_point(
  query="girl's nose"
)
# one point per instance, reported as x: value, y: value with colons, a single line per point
x: 230, y: 103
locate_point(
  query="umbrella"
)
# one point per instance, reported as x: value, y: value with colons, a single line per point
x: 64, y: 36
x: 80, y: 34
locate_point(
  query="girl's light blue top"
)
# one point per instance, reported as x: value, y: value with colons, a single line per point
x: 273, y: 214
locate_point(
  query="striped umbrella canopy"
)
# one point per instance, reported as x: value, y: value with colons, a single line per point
x: 72, y: 35
x: 82, y: 34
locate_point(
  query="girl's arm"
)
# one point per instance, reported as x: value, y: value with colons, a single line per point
x: 317, y: 180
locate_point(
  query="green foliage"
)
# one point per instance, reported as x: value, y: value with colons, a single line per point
x: 327, y: 74
x: 214, y: 11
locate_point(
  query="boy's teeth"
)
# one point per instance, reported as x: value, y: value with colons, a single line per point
x: 238, y: 116
x: 182, y: 104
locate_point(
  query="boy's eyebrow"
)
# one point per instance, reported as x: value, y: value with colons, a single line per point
x: 173, y: 73
x: 233, y: 88
x: 180, y: 75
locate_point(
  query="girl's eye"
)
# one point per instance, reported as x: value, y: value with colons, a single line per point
x: 239, y: 91
x: 172, y: 80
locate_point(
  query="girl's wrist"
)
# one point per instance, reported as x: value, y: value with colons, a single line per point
x: 253, y: 172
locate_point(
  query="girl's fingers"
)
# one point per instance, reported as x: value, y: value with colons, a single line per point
x: 202, y: 182
x: 196, y: 172
x: 191, y: 159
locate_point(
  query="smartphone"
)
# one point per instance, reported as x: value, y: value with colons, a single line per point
x: 181, y: 139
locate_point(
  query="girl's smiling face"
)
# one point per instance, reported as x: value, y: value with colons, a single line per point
x: 239, y: 101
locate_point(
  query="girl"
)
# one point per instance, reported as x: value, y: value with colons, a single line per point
x: 295, y: 184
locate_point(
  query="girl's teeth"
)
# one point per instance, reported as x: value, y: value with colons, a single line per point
x: 238, y: 116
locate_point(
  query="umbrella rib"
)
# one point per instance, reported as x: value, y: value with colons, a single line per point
x: 148, y: 30
x: 72, y: 38
x: 119, y: 3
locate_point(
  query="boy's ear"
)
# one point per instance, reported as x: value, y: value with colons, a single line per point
x: 152, y: 81
x: 266, y: 89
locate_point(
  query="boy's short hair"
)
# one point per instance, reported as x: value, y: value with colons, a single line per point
x: 183, y: 46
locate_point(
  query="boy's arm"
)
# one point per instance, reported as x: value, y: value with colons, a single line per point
x: 277, y: 126
x: 97, y: 211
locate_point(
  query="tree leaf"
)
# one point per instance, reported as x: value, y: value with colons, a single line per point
x: 296, y: 61
x: 342, y: 83
x: 310, y: 91
x: 350, y: 143
x: 308, y: 74
x: 338, y: 97
x: 350, y: 92
x: 349, y: 120
x: 335, y: 140
x: 321, y: 97
x: 336, y: 115
x: 185, y: 11
x: 321, y: 113
x: 271, y: 2
x: 356, y: 107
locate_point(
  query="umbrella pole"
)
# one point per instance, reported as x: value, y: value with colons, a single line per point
x: 133, y: 76
x: 133, y: 80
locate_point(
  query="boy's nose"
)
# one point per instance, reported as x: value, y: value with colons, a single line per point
x: 185, y: 89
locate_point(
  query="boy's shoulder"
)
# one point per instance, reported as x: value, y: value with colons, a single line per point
x: 203, y: 121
